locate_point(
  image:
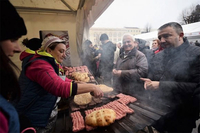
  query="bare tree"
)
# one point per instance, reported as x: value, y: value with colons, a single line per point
x: 147, y: 28
x: 191, y: 14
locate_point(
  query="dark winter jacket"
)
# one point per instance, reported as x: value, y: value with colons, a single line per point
x: 145, y: 50
x: 178, y: 70
x: 89, y: 59
x: 107, y: 57
x: 133, y: 67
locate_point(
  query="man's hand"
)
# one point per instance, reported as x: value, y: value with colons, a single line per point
x: 117, y: 72
x: 150, y: 85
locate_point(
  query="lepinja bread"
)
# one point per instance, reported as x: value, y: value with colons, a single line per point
x: 105, y: 88
x: 83, y: 99
x: 102, y: 117
x: 79, y: 76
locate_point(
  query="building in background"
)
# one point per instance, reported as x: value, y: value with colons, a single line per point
x: 114, y: 34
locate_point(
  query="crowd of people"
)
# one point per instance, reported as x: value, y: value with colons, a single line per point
x: 169, y: 72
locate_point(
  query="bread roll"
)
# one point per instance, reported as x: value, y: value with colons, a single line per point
x: 83, y: 99
x: 102, y: 117
x: 105, y: 88
x: 87, y: 79
x: 78, y: 76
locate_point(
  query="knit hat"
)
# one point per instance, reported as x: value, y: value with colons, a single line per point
x: 49, y: 40
x: 11, y: 24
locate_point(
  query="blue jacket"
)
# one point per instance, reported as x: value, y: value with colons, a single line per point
x: 36, y: 103
x: 10, y: 111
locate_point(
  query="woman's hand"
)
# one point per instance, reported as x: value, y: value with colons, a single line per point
x: 97, y: 92
x: 88, y: 87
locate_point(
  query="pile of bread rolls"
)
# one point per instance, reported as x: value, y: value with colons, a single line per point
x: 80, y: 76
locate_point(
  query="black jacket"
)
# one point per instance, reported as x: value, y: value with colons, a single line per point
x: 178, y: 71
x: 89, y: 59
x: 149, y: 53
x: 107, y: 57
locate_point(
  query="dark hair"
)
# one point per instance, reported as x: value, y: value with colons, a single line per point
x: 9, y: 86
x: 33, y: 44
x: 176, y: 26
x: 104, y: 37
x: 87, y: 43
x: 157, y: 40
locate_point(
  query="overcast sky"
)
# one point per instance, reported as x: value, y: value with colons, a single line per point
x: 139, y: 13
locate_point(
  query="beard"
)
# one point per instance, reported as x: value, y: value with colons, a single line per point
x: 165, y: 45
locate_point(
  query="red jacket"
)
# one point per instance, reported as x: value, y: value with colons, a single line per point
x: 157, y: 51
x: 43, y: 73
x: 4, y: 123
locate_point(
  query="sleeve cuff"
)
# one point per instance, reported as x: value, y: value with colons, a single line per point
x: 74, y: 88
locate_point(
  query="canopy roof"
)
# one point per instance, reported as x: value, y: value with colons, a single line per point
x: 93, y: 8
x: 192, y: 29
x: 86, y: 12
x: 59, y: 6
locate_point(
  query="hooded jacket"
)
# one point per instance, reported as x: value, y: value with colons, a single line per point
x: 26, y: 55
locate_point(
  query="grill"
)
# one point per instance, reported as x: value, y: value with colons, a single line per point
x: 145, y: 113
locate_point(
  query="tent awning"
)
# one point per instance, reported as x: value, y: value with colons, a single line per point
x: 192, y: 29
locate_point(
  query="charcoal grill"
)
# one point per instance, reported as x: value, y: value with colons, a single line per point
x: 145, y: 113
